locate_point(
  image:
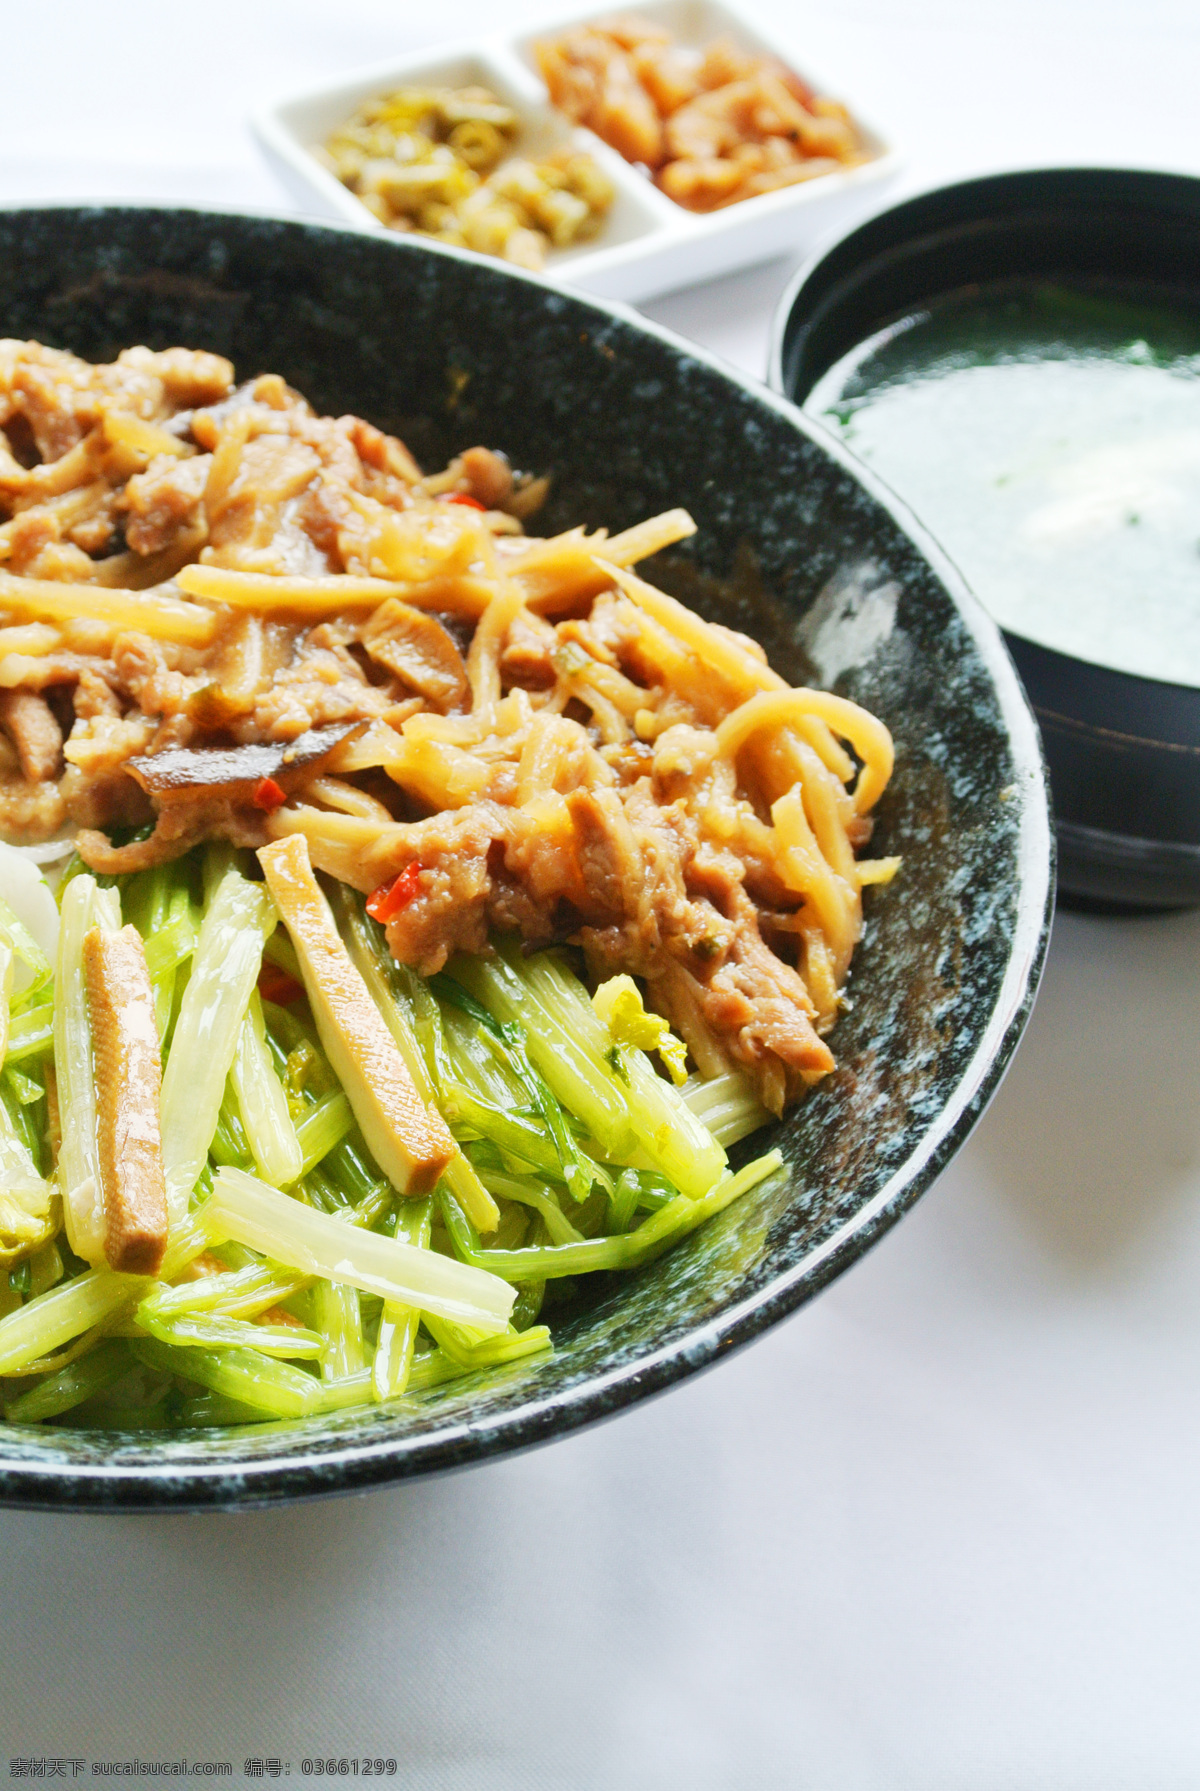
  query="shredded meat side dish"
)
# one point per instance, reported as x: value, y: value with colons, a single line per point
x: 228, y: 617
x: 715, y: 126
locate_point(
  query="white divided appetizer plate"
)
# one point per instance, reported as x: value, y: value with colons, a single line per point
x: 648, y: 244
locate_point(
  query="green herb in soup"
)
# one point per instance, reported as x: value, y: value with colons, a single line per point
x: 1049, y: 436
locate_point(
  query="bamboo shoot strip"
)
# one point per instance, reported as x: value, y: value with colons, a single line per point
x: 239, y: 919
x: 649, y: 537
x: 408, y: 1140
x: 84, y: 905
x: 268, y: 591
x: 166, y: 618
x: 289, y: 1232
x: 128, y: 1071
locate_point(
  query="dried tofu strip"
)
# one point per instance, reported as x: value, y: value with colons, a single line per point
x: 83, y: 907
x: 125, y: 1049
x: 408, y: 1140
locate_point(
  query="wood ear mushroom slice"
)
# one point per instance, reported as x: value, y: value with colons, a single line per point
x: 125, y: 1047
x: 408, y: 1140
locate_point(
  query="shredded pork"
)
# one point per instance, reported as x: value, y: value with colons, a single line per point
x: 496, y: 716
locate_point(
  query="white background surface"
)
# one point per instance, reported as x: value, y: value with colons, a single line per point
x: 940, y: 1531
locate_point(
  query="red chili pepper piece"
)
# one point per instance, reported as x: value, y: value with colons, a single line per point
x: 276, y: 985
x: 460, y: 497
x: 388, y: 900
x: 268, y: 795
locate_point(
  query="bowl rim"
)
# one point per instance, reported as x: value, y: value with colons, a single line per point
x: 348, y: 1465
x: 993, y: 179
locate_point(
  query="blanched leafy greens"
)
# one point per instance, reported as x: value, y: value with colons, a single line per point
x: 296, y: 1279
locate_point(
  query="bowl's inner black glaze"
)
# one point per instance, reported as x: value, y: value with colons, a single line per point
x: 791, y: 548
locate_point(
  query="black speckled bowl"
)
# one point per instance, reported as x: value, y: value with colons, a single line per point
x: 797, y: 545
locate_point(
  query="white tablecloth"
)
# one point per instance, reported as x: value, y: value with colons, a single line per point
x: 939, y: 1530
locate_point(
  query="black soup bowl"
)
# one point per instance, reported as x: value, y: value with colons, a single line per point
x: 1123, y: 749
x: 797, y: 546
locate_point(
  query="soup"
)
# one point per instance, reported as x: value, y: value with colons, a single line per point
x: 1049, y: 436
